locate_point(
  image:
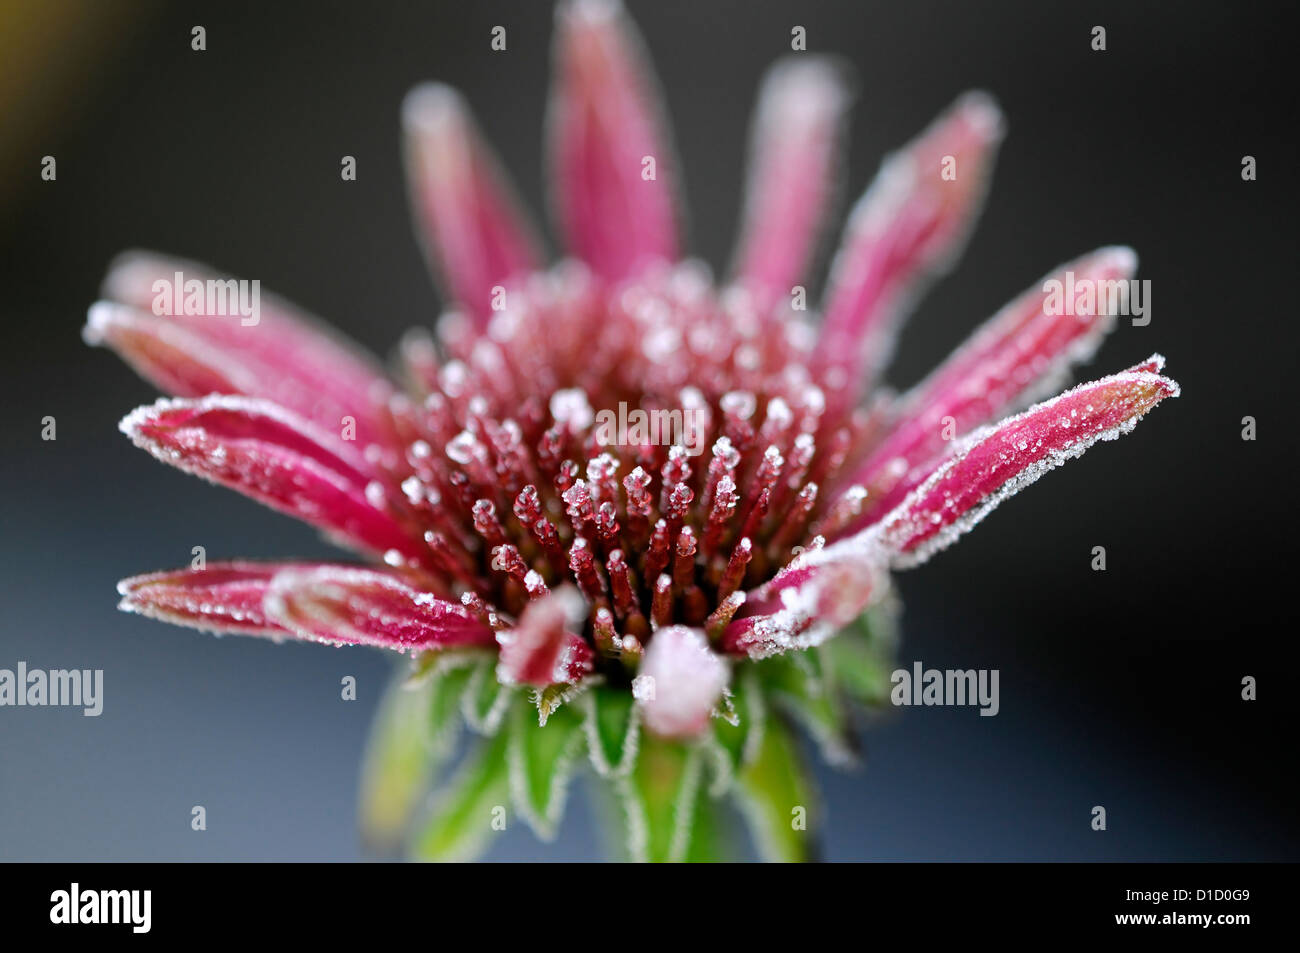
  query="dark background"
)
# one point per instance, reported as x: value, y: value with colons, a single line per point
x: 1118, y: 689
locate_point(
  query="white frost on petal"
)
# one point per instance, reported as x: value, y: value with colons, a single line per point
x: 1030, y: 474
x: 133, y: 423
x: 851, y: 576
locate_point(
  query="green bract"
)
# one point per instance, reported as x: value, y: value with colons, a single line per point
x: 662, y: 800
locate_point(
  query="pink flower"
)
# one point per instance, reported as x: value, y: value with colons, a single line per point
x: 494, y: 511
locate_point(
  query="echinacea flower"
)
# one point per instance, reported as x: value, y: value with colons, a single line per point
x: 665, y: 609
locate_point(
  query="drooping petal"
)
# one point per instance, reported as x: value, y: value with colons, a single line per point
x: 286, y: 355
x: 816, y: 595
x: 225, y: 597
x: 994, y: 463
x: 277, y: 458
x: 795, y: 145
x: 543, y: 649
x: 679, y: 682
x: 611, y: 154
x: 474, y: 233
x: 1020, y: 354
x: 175, y: 359
x: 906, y: 229
x: 369, y: 607
x: 182, y: 362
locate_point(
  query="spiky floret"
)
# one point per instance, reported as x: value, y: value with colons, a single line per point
x: 532, y: 490
x: 613, y: 505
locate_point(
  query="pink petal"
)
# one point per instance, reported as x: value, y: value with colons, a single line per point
x: 369, y: 607
x: 1018, y: 355
x: 542, y: 649
x: 907, y: 228
x: 996, y: 462
x: 176, y: 360
x: 472, y: 229
x: 277, y: 458
x: 287, y: 356
x: 795, y: 144
x: 679, y: 682
x: 604, y: 121
x: 224, y: 597
x: 820, y: 592
x: 185, y: 363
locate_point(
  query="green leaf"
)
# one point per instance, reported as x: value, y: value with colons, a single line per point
x: 541, y: 762
x: 777, y: 797
x: 444, y: 706
x: 613, y: 728
x: 862, y: 656
x: 413, y: 733
x: 804, y: 686
x: 486, y: 700
x: 659, y: 799
x: 734, y: 745
x: 710, y: 843
x: 471, y: 809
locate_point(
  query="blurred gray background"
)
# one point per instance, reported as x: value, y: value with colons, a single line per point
x: 1118, y: 688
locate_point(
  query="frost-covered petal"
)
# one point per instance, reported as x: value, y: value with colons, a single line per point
x: 795, y: 145
x: 907, y: 228
x: 818, y: 593
x: 996, y: 462
x: 1020, y: 354
x: 225, y: 597
x: 679, y: 682
x: 175, y: 359
x: 369, y: 607
x: 296, y: 359
x: 542, y: 648
x: 611, y: 155
x: 277, y: 458
x: 471, y: 225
